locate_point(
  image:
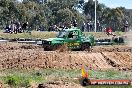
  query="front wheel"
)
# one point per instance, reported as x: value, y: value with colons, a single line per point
x: 51, y: 48
x: 47, y: 48
x: 85, y: 47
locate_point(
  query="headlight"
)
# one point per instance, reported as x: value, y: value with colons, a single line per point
x: 46, y: 42
x: 49, y: 42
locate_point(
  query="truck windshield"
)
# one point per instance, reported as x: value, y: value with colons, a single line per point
x: 61, y: 34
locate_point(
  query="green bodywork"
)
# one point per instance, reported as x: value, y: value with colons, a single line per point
x: 72, y: 37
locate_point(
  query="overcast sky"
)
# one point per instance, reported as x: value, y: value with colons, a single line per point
x: 115, y: 3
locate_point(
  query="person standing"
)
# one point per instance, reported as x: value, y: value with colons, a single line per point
x: 24, y: 26
x: 126, y: 26
x: 74, y: 23
x: 110, y: 31
x: 13, y: 27
x: 18, y: 27
x: 83, y: 27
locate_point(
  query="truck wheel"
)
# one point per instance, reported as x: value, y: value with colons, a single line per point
x: 85, y: 47
x: 51, y: 48
x: 46, y: 48
x: 55, y: 47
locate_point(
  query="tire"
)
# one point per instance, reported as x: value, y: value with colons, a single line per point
x: 121, y: 40
x: 55, y: 47
x: 46, y: 48
x: 51, y: 48
x: 118, y: 40
x: 85, y: 47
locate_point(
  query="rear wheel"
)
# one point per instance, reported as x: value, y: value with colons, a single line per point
x: 85, y: 47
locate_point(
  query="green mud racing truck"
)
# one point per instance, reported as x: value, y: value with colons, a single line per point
x: 73, y: 38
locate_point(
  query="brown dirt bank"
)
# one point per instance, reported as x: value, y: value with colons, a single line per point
x: 33, y: 57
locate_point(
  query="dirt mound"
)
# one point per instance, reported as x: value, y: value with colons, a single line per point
x: 110, y: 48
x: 1, y: 85
x: 32, y: 57
x: 16, y: 46
x: 29, y: 59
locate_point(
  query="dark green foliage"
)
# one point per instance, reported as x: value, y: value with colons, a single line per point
x: 49, y: 12
x: 15, y: 81
x: 12, y: 80
x: 108, y: 17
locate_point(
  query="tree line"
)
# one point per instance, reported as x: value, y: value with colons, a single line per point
x: 44, y: 13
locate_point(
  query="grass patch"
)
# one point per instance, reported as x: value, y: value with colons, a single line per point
x: 109, y: 86
x: 33, y: 35
x: 25, y: 78
x: 44, y: 35
x: 118, y: 33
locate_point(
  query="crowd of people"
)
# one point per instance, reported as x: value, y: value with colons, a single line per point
x: 16, y: 27
x: 89, y: 26
x: 63, y: 26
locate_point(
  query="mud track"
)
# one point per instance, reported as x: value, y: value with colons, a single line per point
x: 25, y: 56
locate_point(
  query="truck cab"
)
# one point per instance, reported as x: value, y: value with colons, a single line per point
x: 73, y: 38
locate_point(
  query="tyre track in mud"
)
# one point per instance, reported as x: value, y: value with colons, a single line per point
x: 119, y: 60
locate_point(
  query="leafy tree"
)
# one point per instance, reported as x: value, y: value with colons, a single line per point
x: 64, y: 16
x: 48, y: 12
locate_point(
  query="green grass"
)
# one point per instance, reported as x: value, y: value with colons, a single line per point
x: 118, y: 33
x: 33, y: 35
x: 44, y: 35
x: 109, y: 86
x: 24, y: 78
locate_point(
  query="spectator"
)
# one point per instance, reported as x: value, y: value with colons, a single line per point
x: 109, y: 31
x: 126, y: 26
x: 83, y: 26
x: 18, y: 27
x: 24, y: 26
x: 74, y: 23
x: 88, y: 26
x: 13, y: 27
x: 98, y: 26
x: 71, y: 25
x: 91, y: 26
x: 7, y: 29
x: 54, y: 28
x: 50, y: 28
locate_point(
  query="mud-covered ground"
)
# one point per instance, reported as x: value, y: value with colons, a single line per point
x: 24, y: 56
